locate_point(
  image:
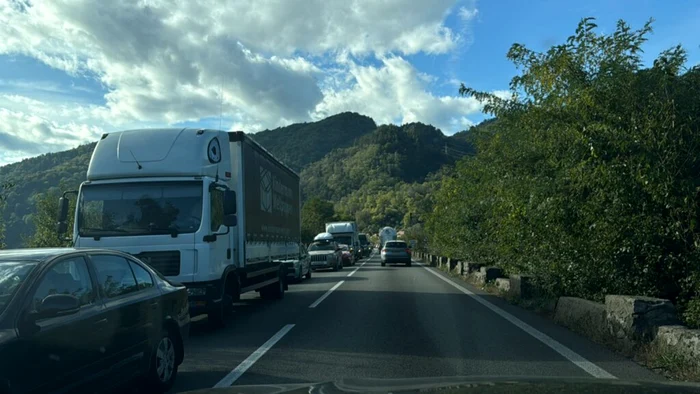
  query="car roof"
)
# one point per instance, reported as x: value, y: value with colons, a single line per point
x: 42, y: 254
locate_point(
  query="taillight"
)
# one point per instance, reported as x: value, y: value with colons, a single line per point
x: 408, y: 251
x: 384, y: 250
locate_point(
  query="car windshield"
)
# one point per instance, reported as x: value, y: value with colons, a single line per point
x: 12, y: 274
x: 395, y: 244
x: 140, y: 208
x: 321, y: 246
x: 363, y: 239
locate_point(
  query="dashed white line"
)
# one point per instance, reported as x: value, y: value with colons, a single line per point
x: 355, y: 270
x: 236, y: 373
x: 569, y: 354
x: 323, y: 297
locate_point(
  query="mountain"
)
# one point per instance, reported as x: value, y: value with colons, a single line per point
x: 300, y: 144
x: 388, y: 155
x: 39, y: 174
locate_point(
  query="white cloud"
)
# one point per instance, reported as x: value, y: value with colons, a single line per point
x: 467, y: 13
x: 397, y: 92
x: 264, y: 63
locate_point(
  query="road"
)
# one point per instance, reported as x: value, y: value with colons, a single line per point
x: 388, y: 322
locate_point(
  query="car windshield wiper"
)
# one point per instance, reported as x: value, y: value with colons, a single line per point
x: 101, y: 230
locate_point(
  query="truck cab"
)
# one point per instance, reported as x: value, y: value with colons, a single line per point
x: 179, y: 200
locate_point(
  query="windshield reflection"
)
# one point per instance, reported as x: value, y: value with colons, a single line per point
x: 12, y: 274
x: 140, y: 208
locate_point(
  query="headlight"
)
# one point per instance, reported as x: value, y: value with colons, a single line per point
x: 196, y: 291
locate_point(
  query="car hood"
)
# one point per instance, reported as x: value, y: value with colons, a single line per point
x: 454, y: 385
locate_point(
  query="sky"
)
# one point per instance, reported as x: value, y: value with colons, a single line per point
x: 71, y: 70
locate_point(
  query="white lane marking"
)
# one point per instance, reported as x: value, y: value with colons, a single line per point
x: 236, y: 373
x: 323, y: 297
x: 355, y: 270
x: 569, y: 354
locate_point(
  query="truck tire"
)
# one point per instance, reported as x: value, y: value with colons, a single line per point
x: 308, y: 274
x: 274, y: 291
x: 223, y: 311
x: 335, y: 266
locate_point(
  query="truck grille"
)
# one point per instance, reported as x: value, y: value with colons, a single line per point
x: 319, y: 257
x: 167, y: 263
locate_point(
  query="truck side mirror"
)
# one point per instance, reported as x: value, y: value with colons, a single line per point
x: 62, y: 209
x: 229, y: 203
x: 61, y: 225
x: 230, y: 220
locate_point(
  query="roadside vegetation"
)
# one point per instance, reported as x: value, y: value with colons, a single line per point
x: 590, y: 177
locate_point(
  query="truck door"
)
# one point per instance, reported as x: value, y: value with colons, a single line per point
x: 220, y: 250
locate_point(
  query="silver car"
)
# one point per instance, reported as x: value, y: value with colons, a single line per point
x: 325, y: 254
x: 396, y: 252
x: 300, y: 267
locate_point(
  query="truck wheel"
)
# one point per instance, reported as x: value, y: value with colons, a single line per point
x: 408, y: 263
x: 335, y: 266
x: 383, y: 264
x: 308, y: 274
x: 223, y: 311
x: 274, y: 291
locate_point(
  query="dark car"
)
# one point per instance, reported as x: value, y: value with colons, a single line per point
x: 365, y: 245
x: 77, y: 320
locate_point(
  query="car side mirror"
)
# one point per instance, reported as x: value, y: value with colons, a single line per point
x: 58, y: 305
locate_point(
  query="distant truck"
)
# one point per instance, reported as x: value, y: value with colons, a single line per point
x: 365, y: 247
x: 346, y: 233
x: 210, y: 209
x: 386, y: 234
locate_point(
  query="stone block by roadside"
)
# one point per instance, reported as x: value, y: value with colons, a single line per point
x: 678, y: 340
x: 503, y: 285
x: 491, y: 273
x: 583, y: 316
x: 635, y: 320
x: 457, y: 269
x: 520, y: 286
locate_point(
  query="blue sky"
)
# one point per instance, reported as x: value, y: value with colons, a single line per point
x: 72, y: 70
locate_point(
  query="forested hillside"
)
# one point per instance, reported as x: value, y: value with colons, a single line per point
x: 361, y: 170
x: 300, y: 144
x: 30, y: 177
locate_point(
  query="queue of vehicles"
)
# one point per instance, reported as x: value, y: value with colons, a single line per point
x: 169, y: 224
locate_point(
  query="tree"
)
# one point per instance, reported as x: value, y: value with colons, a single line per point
x: 4, y: 188
x: 44, y: 220
x: 314, y: 215
x: 589, y: 178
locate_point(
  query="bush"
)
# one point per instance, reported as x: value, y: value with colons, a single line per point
x: 588, y: 178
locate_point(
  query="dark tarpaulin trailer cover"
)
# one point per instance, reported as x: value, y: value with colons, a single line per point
x: 272, y: 206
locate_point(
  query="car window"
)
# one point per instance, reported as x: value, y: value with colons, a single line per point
x: 396, y: 244
x: 69, y: 276
x: 114, y: 275
x: 143, y: 278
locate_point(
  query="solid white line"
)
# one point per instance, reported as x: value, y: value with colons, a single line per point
x: 236, y: 373
x: 569, y: 354
x: 323, y: 297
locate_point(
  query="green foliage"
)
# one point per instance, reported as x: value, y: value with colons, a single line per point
x: 314, y: 215
x: 590, y: 177
x: 301, y: 144
x: 4, y: 190
x: 34, y: 176
x: 44, y: 219
x: 381, y: 159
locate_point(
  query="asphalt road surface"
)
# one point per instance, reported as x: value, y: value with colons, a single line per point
x: 370, y: 321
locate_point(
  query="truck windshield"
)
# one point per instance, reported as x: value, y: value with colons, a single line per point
x: 321, y: 246
x: 140, y: 208
x: 343, y: 239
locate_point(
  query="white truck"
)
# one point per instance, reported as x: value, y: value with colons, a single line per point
x: 386, y: 234
x: 346, y: 233
x: 210, y: 209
